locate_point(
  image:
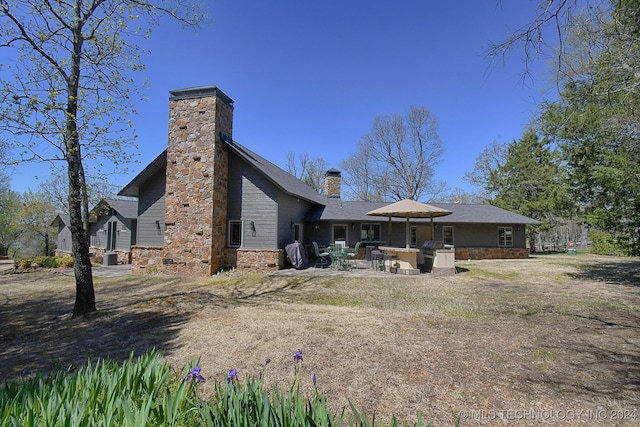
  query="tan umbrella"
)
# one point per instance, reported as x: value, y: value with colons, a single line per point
x: 410, y: 209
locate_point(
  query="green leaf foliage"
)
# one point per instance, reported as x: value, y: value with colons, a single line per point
x: 145, y: 391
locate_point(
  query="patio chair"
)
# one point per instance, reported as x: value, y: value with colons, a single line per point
x: 353, y: 254
x: 321, y: 257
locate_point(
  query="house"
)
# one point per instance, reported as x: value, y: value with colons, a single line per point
x: 112, y: 228
x: 208, y: 203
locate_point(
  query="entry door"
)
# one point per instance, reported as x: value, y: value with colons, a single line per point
x: 112, y: 231
x: 339, y: 232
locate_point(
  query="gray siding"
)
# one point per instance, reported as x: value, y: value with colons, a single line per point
x: 150, y: 210
x: 482, y: 235
x: 98, y: 232
x: 290, y: 209
x: 64, y: 238
x: 253, y: 200
x: 465, y: 235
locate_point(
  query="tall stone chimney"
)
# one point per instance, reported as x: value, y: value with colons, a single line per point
x: 332, y: 183
x: 196, y: 180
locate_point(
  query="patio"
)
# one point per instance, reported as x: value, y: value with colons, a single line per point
x: 360, y: 268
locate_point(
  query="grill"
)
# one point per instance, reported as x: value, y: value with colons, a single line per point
x: 427, y: 254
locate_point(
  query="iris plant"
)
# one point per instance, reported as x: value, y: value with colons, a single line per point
x: 232, y: 374
x: 194, y: 374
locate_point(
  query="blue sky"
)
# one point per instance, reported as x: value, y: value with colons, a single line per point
x: 310, y: 77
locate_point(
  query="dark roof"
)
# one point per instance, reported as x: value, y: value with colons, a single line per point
x: 279, y: 177
x: 482, y: 213
x: 335, y: 209
x: 340, y: 210
x: 282, y: 179
x: 65, y: 219
x: 126, y: 208
x: 132, y: 189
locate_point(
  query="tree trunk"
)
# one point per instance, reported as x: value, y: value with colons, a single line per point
x: 85, y: 296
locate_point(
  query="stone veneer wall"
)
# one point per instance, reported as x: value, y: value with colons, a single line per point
x: 491, y: 253
x: 196, y: 186
x: 145, y: 259
x: 124, y: 257
x: 260, y: 259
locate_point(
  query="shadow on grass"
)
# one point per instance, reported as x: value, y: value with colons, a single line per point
x: 135, y: 314
x: 614, y: 272
x: 39, y: 334
x: 607, y: 364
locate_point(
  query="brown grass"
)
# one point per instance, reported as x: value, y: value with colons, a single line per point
x: 552, y: 340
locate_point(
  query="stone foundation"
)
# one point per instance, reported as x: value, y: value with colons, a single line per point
x: 145, y: 259
x: 491, y: 253
x: 124, y: 257
x: 260, y: 259
x: 151, y: 258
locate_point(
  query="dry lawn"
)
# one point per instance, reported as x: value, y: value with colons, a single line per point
x: 552, y: 340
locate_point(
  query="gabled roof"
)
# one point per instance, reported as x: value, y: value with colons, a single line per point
x: 335, y: 209
x: 62, y: 218
x: 282, y: 179
x: 132, y: 189
x: 279, y: 177
x: 340, y: 210
x: 126, y: 208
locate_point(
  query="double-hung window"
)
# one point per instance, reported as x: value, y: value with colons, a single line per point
x: 370, y: 232
x: 235, y: 234
x: 447, y: 235
x: 505, y: 236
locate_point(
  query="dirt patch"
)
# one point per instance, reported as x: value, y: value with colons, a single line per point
x: 552, y: 340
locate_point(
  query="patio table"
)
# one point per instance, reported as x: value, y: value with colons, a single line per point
x: 339, y: 258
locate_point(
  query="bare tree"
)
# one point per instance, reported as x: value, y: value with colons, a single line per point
x: 311, y: 171
x: 68, y: 94
x: 397, y: 159
x: 487, y: 163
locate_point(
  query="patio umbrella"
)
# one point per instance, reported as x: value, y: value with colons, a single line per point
x: 410, y: 209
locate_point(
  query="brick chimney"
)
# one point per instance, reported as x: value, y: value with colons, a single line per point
x: 196, y: 180
x: 332, y: 183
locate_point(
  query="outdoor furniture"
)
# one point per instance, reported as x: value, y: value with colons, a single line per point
x: 377, y: 258
x: 354, y: 252
x: 321, y: 257
x: 390, y: 262
x: 339, y: 257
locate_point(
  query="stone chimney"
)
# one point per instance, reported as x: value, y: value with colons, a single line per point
x: 200, y: 119
x: 332, y: 183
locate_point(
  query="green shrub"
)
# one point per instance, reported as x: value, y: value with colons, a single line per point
x: 610, y: 244
x: 44, y: 261
x: 146, y: 391
x: 65, y: 261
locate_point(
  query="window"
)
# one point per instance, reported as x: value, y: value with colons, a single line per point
x: 235, y: 233
x: 112, y: 234
x: 297, y: 235
x: 370, y: 232
x: 414, y: 235
x: 339, y: 232
x: 505, y: 236
x: 447, y: 235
